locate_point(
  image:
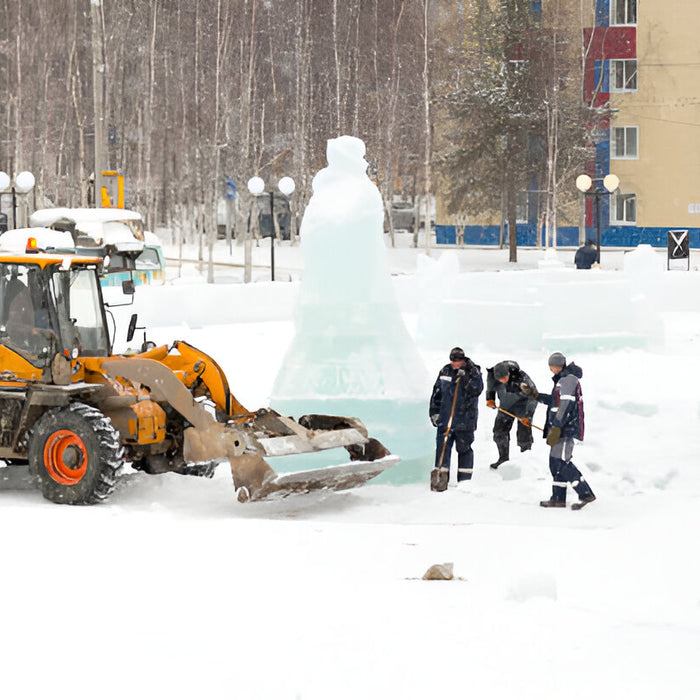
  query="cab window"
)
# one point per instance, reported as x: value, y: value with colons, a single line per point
x: 24, y: 318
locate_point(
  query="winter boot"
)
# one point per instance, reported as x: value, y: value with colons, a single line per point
x: 503, y: 455
x: 584, y: 492
x: 439, y: 478
x: 584, y: 501
x: 553, y: 503
x: 558, y: 498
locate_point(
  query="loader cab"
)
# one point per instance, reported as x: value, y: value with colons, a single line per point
x: 49, y: 305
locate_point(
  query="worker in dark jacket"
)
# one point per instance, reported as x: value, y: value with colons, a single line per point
x: 586, y: 255
x: 454, y: 411
x: 505, y: 382
x: 564, y: 424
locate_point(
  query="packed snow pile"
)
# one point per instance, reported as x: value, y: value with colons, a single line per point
x: 551, y: 308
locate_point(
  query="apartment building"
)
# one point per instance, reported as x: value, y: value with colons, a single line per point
x: 641, y: 71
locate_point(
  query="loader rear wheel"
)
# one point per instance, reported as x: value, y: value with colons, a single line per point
x: 75, y: 452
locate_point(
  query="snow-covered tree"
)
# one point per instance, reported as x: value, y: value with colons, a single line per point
x: 512, y: 106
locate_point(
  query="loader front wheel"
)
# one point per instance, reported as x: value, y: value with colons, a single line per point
x: 75, y: 452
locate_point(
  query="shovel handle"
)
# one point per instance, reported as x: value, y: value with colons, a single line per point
x: 449, y: 423
x: 512, y: 415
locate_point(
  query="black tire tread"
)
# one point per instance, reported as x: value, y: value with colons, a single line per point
x: 110, y: 448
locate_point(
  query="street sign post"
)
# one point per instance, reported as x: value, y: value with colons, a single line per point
x: 678, y: 250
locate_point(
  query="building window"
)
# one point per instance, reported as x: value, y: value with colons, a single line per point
x: 623, y: 209
x: 623, y: 75
x: 625, y: 142
x: 623, y: 12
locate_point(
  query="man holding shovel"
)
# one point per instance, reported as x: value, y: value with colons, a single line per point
x: 505, y: 381
x: 454, y: 410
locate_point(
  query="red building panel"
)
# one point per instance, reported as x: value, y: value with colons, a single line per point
x: 602, y: 43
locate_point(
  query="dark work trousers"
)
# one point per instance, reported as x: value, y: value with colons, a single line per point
x: 564, y: 471
x: 462, y: 440
x: 501, y: 433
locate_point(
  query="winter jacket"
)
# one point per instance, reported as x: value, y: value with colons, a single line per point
x: 585, y: 256
x: 471, y: 385
x: 510, y: 395
x: 565, y: 403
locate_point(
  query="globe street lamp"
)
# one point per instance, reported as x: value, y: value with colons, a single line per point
x: 585, y: 184
x: 256, y: 186
x: 23, y: 184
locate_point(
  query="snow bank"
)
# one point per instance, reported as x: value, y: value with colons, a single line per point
x: 549, y: 308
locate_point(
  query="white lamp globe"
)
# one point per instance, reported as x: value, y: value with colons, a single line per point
x: 4, y: 181
x: 583, y: 183
x: 286, y: 185
x: 611, y: 182
x: 256, y: 185
x: 24, y: 182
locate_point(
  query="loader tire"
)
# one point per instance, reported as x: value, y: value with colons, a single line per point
x: 75, y: 452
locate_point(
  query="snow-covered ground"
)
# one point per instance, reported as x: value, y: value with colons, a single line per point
x: 172, y: 589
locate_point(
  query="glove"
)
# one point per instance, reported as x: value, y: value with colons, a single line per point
x: 434, y: 419
x: 491, y: 403
x: 528, y: 390
x: 461, y: 372
x: 526, y: 422
x: 553, y: 435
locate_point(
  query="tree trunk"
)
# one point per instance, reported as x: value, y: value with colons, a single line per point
x: 427, y: 135
x: 512, y: 219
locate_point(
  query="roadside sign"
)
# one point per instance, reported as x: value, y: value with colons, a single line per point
x: 678, y: 250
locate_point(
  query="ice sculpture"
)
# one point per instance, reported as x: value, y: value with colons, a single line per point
x: 351, y: 353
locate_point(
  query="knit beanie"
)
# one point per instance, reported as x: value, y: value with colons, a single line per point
x: 501, y: 369
x: 556, y: 359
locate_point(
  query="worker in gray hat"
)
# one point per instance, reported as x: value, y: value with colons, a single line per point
x: 505, y: 381
x: 564, y: 424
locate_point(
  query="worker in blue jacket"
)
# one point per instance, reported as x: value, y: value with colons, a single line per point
x: 454, y: 411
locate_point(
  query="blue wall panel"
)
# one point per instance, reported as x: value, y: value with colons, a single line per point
x: 445, y: 235
x: 567, y: 236
x: 601, y: 75
x: 602, y: 13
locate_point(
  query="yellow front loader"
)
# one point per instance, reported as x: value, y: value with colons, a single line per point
x: 75, y: 413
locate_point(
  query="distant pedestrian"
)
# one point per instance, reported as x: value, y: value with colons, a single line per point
x: 564, y: 424
x: 505, y: 382
x: 586, y: 255
x: 454, y: 411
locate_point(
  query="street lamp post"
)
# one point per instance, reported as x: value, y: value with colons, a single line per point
x: 584, y: 183
x: 256, y: 186
x: 23, y: 183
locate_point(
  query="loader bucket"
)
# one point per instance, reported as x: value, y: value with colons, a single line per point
x: 336, y: 478
x: 246, y: 440
x: 276, y: 435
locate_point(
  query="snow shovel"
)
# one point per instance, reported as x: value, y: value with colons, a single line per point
x: 512, y: 415
x: 440, y: 476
